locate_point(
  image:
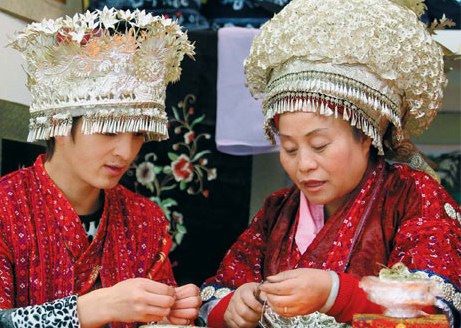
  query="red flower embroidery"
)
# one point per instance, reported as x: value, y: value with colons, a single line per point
x: 189, y: 137
x: 182, y: 169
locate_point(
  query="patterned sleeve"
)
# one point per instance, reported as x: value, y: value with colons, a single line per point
x: 428, y: 241
x: 161, y: 270
x: 153, y: 239
x: 242, y: 263
x: 58, y: 313
x: 6, y: 277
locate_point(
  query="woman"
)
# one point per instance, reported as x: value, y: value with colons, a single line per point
x: 345, y: 83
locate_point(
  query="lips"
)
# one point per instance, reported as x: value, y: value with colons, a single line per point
x: 115, y: 169
x: 312, y: 184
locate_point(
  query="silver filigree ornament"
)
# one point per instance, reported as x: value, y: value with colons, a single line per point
x: 106, y: 61
x: 452, y: 213
x: 210, y: 292
x: 380, y: 40
x: 271, y: 319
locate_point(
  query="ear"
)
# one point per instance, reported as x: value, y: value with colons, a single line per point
x: 61, y: 140
x: 366, y: 143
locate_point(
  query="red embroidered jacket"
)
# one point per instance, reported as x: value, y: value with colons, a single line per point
x: 395, y: 214
x: 45, y: 254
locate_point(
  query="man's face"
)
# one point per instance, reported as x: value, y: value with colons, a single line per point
x: 96, y: 160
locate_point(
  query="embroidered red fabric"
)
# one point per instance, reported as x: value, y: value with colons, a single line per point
x: 395, y: 214
x: 44, y: 252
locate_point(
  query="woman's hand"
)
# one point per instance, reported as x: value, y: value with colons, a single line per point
x: 244, y: 310
x: 132, y: 300
x: 297, y: 292
x: 186, y: 306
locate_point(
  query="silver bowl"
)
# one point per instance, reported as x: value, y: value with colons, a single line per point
x: 400, y: 299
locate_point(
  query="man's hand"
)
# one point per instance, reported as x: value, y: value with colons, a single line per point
x: 186, y: 306
x: 132, y: 300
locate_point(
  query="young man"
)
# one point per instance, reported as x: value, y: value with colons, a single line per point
x: 76, y: 248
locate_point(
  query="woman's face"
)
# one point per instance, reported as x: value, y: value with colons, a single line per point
x: 322, y: 156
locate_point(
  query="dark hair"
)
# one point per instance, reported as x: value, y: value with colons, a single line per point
x: 51, y: 143
x: 359, y: 136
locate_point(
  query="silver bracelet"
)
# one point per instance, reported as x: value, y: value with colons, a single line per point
x: 333, y: 293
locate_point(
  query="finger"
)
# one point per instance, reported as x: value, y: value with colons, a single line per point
x: 284, y: 275
x: 155, y: 311
x: 278, y: 277
x: 187, y: 291
x: 254, y: 304
x: 249, y: 314
x: 158, y: 288
x: 247, y: 322
x: 180, y: 321
x: 161, y: 301
x: 239, y: 317
x: 277, y: 288
x: 279, y: 302
x: 232, y: 324
x: 283, y: 310
x: 262, y: 296
x: 189, y: 302
x: 239, y: 322
x: 190, y: 313
x: 151, y: 318
x: 286, y: 306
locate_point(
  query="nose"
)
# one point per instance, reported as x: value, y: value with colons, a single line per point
x: 306, y: 161
x: 127, y: 146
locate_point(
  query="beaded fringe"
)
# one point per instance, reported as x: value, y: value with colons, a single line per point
x: 316, y: 104
x: 309, y: 90
x: 337, y: 86
x: 46, y: 127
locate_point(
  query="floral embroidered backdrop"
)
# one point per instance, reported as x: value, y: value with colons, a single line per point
x: 187, y: 170
x: 205, y: 194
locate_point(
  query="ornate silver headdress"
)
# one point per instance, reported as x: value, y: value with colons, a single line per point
x: 111, y: 67
x: 373, y: 59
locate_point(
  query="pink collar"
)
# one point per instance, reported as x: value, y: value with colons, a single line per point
x: 311, y: 220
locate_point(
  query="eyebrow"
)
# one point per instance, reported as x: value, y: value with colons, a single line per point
x: 316, y: 131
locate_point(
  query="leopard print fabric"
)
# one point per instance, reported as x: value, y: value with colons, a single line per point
x: 58, y: 313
